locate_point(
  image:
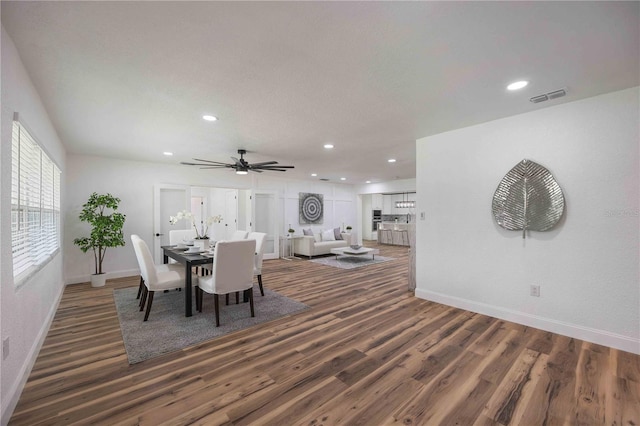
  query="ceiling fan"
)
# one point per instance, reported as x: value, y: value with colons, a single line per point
x: 241, y: 166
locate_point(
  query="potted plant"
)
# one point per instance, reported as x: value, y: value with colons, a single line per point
x: 106, y: 231
x: 349, y: 228
x: 291, y: 231
x: 202, y: 234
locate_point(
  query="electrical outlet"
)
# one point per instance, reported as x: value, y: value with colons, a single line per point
x: 423, y: 215
x: 5, y: 348
x: 535, y: 290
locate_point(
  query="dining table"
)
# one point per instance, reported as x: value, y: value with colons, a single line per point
x: 189, y: 260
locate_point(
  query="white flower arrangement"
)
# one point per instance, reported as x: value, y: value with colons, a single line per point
x: 202, y: 233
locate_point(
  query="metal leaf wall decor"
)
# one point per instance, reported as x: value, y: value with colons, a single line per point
x: 528, y: 198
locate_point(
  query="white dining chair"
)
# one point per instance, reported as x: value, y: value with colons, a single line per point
x: 232, y: 272
x: 156, y: 277
x: 162, y: 267
x: 257, y: 264
x: 238, y: 235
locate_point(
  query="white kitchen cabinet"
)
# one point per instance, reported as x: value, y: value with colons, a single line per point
x: 376, y: 202
x: 386, y: 204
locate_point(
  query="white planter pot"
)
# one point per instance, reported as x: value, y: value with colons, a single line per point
x: 98, y: 280
x: 203, y: 244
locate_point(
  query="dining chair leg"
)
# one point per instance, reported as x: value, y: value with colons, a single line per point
x: 140, y: 287
x: 260, y: 284
x: 199, y: 297
x: 146, y: 314
x: 217, y: 306
x: 251, y: 302
x: 143, y: 298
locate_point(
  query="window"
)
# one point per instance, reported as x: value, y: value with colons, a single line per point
x: 35, y: 204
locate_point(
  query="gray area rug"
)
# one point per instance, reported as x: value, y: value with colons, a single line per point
x: 350, y: 262
x: 168, y: 330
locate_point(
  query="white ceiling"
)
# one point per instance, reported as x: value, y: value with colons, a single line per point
x: 132, y: 79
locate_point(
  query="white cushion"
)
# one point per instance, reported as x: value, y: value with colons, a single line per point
x: 317, y: 238
x: 328, y: 235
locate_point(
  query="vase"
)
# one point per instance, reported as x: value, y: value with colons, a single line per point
x: 203, y: 243
x: 98, y: 280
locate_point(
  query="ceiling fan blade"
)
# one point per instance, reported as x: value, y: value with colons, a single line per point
x: 207, y: 166
x: 209, y: 161
x: 277, y: 167
x: 264, y: 163
x: 202, y: 164
x: 255, y: 170
x: 238, y: 162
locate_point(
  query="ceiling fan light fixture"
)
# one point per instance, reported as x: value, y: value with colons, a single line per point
x: 240, y: 165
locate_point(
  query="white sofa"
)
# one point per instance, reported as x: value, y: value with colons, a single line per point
x: 314, y: 246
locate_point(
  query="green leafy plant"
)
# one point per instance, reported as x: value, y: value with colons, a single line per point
x: 106, y: 228
x: 291, y: 230
x: 349, y: 228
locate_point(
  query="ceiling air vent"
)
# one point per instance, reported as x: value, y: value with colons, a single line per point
x: 540, y: 98
x: 557, y: 94
x: 547, y: 96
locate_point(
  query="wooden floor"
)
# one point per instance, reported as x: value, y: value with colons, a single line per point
x: 367, y: 352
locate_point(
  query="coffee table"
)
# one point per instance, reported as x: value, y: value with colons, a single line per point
x: 348, y: 251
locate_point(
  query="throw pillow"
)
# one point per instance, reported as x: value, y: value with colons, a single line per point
x: 307, y: 232
x: 328, y: 235
x: 317, y: 238
x: 336, y: 234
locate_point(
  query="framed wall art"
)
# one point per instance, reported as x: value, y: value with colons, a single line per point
x: 311, y: 208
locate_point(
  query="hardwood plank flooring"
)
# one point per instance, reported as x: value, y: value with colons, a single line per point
x: 367, y: 352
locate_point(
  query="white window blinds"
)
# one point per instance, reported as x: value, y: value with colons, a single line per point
x: 35, y: 204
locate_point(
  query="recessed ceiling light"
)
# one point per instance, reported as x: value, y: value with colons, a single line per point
x: 517, y: 85
x: 343, y: 178
x: 328, y: 146
x: 168, y: 154
x: 209, y: 118
x: 314, y: 174
x: 391, y: 160
x: 368, y: 181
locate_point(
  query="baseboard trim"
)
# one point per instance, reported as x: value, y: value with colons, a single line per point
x: 80, y: 279
x: 27, y: 366
x: 592, y: 335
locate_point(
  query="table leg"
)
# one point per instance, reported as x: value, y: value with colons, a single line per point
x: 187, y: 290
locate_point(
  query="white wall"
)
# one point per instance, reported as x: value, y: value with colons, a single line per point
x: 133, y: 183
x: 587, y: 266
x: 25, y: 311
x: 399, y: 185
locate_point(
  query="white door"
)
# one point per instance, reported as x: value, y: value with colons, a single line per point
x: 230, y: 212
x: 264, y: 219
x: 199, y: 212
x: 167, y: 201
